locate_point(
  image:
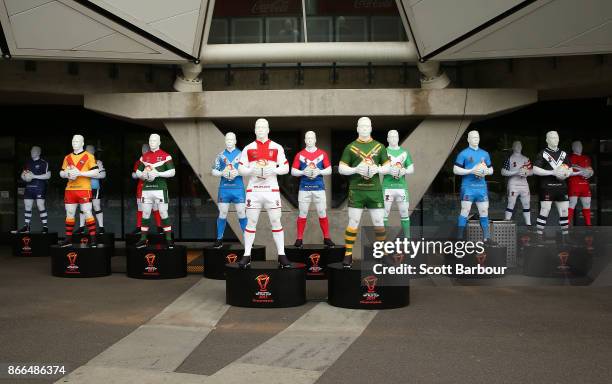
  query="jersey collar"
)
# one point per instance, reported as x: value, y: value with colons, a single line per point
x: 76, y: 154
x: 364, y: 141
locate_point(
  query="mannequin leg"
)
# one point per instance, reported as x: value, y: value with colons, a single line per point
x: 525, y: 202
x: 354, y: 217
x: 404, y: 217
x: 463, y: 218
x: 304, y: 206
x: 97, y: 207
x: 321, y: 205
x: 278, y: 234
x: 81, y: 221
x: 27, y: 210
x: 222, y: 219
x: 512, y: 195
x: 42, y: 211
x: 388, y: 202
x: 90, y: 222
x: 249, y: 232
x: 157, y: 217
x: 573, y: 201
x: 378, y: 221
x: 147, y: 207
x: 483, y: 212
x: 241, y: 213
x: 543, y: 216
x: 562, y: 208
x: 586, y: 209
x: 70, y: 221
x: 163, y: 213
x: 138, y: 213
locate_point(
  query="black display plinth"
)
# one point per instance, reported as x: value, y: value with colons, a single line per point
x: 154, y: 238
x: 396, y: 259
x: 157, y: 262
x: 551, y: 259
x: 216, y: 258
x: 108, y: 239
x: 316, y: 258
x: 265, y: 285
x: 347, y: 288
x: 494, y: 256
x: 79, y: 260
x: 33, y: 244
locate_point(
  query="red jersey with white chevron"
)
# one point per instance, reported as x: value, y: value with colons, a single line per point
x: 316, y: 159
x: 260, y: 155
x: 581, y: 161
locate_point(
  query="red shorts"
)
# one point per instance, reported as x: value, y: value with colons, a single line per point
x: 579, y: 190
x: 77, y: 197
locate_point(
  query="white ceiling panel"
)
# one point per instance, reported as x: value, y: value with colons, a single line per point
x: 115, y: 43
x: 16, y: 6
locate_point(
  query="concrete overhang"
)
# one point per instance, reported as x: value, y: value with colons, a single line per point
x: 473, y: 103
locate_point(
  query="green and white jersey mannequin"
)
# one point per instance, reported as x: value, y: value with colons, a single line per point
x: 362, y: 161
x: 395, y: 187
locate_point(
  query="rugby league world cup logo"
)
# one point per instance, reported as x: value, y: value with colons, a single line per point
x: 481, y: 258
x: 315, y: 268
x: 231, y: 258
x: 563, y: 257
x: 150, y: 268
x: 72, y: 267
x: 370, y: 296
x: 263, y: 295
x: 25, y: 244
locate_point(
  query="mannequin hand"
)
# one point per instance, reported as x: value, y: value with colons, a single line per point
x: 480, y: 170
x: 134, y: 175
x: 27, y: 176
x: 153, y: 174
x: 267, y: 171
x: 314, y: 172
x: 562, y: 172
x: 523, y: 172
x: 226, y: 173
x: 396, y: 172
x: 73, y: 173
x: 362, y: 169
x: 372, y: 170
x: 587, y: 173
x: 233, y: 174
x: 144, y: 175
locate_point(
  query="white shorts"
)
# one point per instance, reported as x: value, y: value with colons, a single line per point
x: 518, y: 190
x: 312, y: 197
x: 399, y: 195
x: 259, y: 200
x: 154, y: 196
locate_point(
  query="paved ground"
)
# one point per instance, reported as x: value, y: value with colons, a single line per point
x: 121, y: 330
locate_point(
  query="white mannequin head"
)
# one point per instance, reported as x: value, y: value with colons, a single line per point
x: 77, y: 143
x: 154, y: 142
x: 517, y: 147
x: 552, y: 139
x: 393, y: 138
x: 145, y: 148
x: 91, y: 149
x: 364, y: 128
x: 35, y: 152
x: 262, y: 129
x: 310, y: 138
x: 577, y: 147
x: 230, y: 141
x: 473, y: 139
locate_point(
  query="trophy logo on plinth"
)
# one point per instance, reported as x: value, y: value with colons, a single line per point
x: 151, y: 269
x: 563, y: 256
x: 525, y: 240
x: 231, y: 258
x: 399, y: 258
x: 370, y: 296
x: 481, y: 258
x: 589, y: 242
x: 25, y: 241
x: 72, y: 268
x: 84, y: 240
x: 263, y: 296
x: 314, y: 268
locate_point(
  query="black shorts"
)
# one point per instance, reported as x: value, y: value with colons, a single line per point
x: 553, y: 193
x: 96, y: 193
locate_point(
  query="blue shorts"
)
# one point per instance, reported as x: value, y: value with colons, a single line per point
x: 34, y: 193
x: 474, y: 195
x: 231, y: 195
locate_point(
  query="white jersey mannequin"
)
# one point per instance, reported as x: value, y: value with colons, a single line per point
x: 553, y: 167
x: 310, y: 165
x: 35, y: 174
x: 474, y: 164
x: 262, y: 161
x: 395, y: 187
x: 78, y: 168
x: 363, y: 160
x: 96, y: 191
x: 517, y: 168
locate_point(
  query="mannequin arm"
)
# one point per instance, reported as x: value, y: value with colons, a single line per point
x: 542, y: 172
x: 296, y: 172
x: 457, y: 170
x: 327, y: 171
x: 282, y: 169
x: 91, y: 173
x: 346, y: 170
x: 167, y: 174
x: 508, y: 173
x: 63, y: 174
x: 407, y: 171
x: 245, y: 170
x: 102, y: 173
x: 384, y: 169
x: 44, y: 176
x: 489, y: 171
x: 216, y: 172
x: 139, y: 174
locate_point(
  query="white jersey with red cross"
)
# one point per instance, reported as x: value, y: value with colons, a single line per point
x: 260, y: 155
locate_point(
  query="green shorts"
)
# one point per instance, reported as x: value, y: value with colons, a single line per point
x: 365, y: 199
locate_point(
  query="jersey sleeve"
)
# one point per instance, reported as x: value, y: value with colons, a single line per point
x: 384, y: 157
x: 65, y: 163
x: 567, y: 161
x: 326, y: 162
x: 92, y: 163
x: 217, y: 163
x: 244, y: 158
x: 169, y: 164
x: 539, y: 161
x: 346, y: 156
x: 460, y: 160
x: 296, y: 161
x: 507, y: 164
x: 100, y: 165
x: 587, y: 162
x: 140, y: 165
x: 281, y: 159
x: 408, y: 161
x: 46, y: 166
x: 487, y: 159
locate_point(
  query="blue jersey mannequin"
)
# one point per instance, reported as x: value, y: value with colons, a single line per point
x: 35, y: 174
x: 474, y: 164
x: 231, y: 186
